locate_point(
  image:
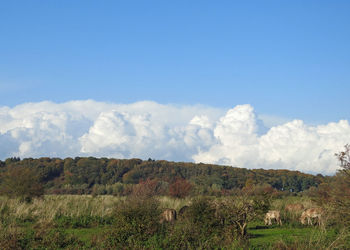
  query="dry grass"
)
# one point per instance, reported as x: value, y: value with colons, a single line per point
x: 50, y: 206
x: 46, y: 208
x: 280, y: 204
x: 168, y: 202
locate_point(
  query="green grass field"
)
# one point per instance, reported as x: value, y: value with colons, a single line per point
x: 300, y: 237
x: 88, y: 219
x: 260, y: 237
x: 264, y: 237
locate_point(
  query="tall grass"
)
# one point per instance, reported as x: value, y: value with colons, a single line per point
x: 318, y: 239
x: 50, y: 206
x: 280, y: 204
x: 48, y: 214
x: 175, y: 203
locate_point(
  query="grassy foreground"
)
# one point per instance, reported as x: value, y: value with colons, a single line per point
x: 83, y: 221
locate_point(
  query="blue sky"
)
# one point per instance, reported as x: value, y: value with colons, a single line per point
x: 286, y: 58
x: 242, y: 83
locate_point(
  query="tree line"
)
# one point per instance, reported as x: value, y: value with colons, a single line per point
x: 85, y: 175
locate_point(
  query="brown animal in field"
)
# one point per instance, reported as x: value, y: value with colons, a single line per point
x: 169, y: 215
x: 271, y: 216
x: 311, y: 213
x: 294, y: 208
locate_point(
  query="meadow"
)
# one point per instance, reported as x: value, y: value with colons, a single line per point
x: 89, y: 203
x: 97, y: 222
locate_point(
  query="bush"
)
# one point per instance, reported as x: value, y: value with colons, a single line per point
x: 211, y: 223
x: 21, y: 182
x: 9, y: 238
x: 180, y: 188
x: 147, y: 188
x: 54, y: 238
x: 82, y: 221
x: 335, y: 195
x: 198, y: 229
x: 45, y: 237
x: 136, y: 222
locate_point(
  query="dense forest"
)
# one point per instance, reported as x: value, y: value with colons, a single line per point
x: 84, y: 175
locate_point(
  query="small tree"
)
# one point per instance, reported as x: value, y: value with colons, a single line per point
x: 147, y: 188
x: 235, y: 213
x: 344, y: 159
x: 335, y: 194
x: 180, y: 188
x: 136, y: 222
x: 21, y: 182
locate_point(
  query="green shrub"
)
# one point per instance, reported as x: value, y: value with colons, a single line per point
x: 82, y: 221
x: 10, y: 238
x: 21, y: 182
x: 54, y: 238
x: 207, y: 224
x: 136, y: 222
x: 39, y: 237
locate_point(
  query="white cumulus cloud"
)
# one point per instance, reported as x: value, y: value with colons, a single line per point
x: 146, y: 129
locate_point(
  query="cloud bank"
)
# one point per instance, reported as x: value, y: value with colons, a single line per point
x: 236, y: 137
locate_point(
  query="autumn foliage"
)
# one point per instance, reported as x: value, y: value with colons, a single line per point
x: 180, y: 188
x: 22, y: 183
x: 147, y: 188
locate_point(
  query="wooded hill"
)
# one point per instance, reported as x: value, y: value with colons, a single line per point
x: 82, y: 174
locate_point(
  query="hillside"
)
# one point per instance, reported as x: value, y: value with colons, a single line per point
x: 82, y: 174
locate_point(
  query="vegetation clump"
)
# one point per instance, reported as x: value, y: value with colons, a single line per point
x: 21, y: 182
x: 137, y: 221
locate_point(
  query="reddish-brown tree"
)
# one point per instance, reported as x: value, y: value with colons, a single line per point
x: 147, y: 188
x: 180, y: 188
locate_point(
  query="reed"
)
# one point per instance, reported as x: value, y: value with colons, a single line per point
x: 50, y: 206
x: 45, y: 209
x: 174, y: 203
